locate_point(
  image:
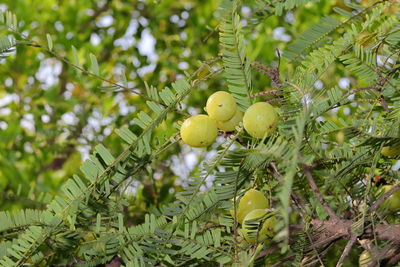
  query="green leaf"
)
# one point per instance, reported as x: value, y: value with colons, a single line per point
x: 94, y: 66
x: 49, y: 42
x: 76, y: 57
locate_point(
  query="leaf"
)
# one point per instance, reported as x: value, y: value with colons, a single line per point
x: 311, y: 37
x: 124, y: 80
x: 49, y: 42
x: 76, y: 57
x: 6, y: 45
x: 94, y: 66
x: 237, y: 66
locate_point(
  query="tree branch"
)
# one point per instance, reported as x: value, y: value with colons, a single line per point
x: 262, y: 93
x: 317, y: 193
x: 294, y: 196
x: 384, y: 197
x: 389, y: 233
x: 347, y: 249
x: 395, y: 259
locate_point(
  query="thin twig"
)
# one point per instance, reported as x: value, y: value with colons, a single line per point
x: 262, y: 93
x: 384, y: 197
x: 294, y: 196
x: 274, y: 100
x: 301, y: 205
x: 347, y: 249
x: 317, y: 192
x: 235, y: 222
x: 363, y: 88
x: 272, y: 73
x: 304, y: 96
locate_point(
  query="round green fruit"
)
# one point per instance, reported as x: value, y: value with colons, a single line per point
x: 251, y: 200
x: 388, y: 151
x: 393, y: 202
x: 365, y: 259
x: 221, y: 106
x: 199, y: 131
x: 339, y: 136
x: 260, y: 120
x: 264, y: 231
x: 229, y: 126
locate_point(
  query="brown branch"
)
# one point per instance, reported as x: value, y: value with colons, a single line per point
x: 388, y: 253
x: 363, y: 88
x: 273, y: 74
x: 262, y: 93
x: 268, y: 251
x: 317, y: 193
x: 323, y: 241
x: 294, y: 196
x: 389, y: 233
x: 384, y: 104
x: 115, y: 262
x: 274, y: 100
x: 384, y: 197
x: 347, y: 249
x: 395, y: 259
x: 329, y: 231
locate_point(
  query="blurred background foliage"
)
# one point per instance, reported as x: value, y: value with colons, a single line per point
x: 51, y: 114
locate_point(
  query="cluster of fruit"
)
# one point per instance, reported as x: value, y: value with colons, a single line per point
x: 259, y: 120
x: 252, y: 210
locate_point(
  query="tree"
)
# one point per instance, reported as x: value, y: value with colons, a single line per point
x: 335, y: 88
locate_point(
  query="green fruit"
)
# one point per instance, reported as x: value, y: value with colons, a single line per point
x: 229, y: 126
x: 221, y: 106
x: 260, y: 120
x: 388, y: 151
x: 365, y: 259
x: 264, y: 231
x: 199, y: 131
x: 340, y: 137
x: 393, y: 202
x: 251, y: 200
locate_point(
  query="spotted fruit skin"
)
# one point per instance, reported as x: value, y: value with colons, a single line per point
x: 229, y: 126
x: 393, y: 202
x: 365, y: 259
x: 260, y: 120
x: 388, y: 151
x: 199, y: 131
x: 251, y: 200
x: 221, y: 106
x: 265, y: 231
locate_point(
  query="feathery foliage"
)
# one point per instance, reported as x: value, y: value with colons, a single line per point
x: 320, y: 170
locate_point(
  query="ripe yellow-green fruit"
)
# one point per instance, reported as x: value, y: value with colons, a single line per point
x: 339, y: 137
x: 365, y: 259
x: 199, y: 131
x: 393, y: 202
x: 389, y: 151
x: 221, y: 106
x: 264, y: 231
x: 251, y: 200
x: 230, y: 125
x: 260, y: 120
